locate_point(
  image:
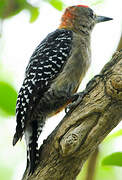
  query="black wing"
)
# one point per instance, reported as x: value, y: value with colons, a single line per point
x: 45, y: 64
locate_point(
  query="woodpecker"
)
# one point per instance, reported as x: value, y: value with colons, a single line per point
x: 53, y: 75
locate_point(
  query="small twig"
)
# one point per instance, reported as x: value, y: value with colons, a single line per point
x: 120, y: 44
x: 92, y: 165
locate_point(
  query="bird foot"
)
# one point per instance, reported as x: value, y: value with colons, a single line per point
x: 76, y: 99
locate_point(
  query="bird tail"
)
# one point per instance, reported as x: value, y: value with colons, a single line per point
x: 15, y: 139
x: 31, y: 137
x: 19, y: 130
x: 18, y: 135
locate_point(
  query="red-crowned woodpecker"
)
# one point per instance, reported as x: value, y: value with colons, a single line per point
x: 54, y: 73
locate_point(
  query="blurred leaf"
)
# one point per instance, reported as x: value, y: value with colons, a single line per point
x: 115, y: 159
x: 10, y: 8
x: 58, y: 4
x: 113, y: 135
x: 3, y: 114
x: 8, y: 97
x: 34, y: 12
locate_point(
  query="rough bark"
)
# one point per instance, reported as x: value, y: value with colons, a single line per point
x: 64, y: 152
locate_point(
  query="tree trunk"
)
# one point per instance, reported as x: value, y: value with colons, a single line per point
x: 80, y: 132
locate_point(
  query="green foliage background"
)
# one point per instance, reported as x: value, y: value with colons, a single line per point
x: 105, y: 169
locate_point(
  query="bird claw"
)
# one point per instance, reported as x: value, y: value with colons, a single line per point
x: 68, y: 108
x: 76, y: 99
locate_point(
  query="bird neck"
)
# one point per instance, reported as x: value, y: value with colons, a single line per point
x: 75, y: 27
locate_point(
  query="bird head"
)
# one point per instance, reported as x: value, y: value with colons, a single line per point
x: 81, y: 18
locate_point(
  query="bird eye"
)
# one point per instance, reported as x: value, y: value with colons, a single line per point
x: 91, y: 13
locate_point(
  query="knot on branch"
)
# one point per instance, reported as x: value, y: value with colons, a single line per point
x: 114, y: 87
x: 76, y: 136
x: 69, y: 144
x: 73, y: 138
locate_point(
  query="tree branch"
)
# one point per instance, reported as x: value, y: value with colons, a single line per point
x: 90, y: 173
x: 80, y: 132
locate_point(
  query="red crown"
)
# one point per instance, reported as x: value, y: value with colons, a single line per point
x: 82, y: 6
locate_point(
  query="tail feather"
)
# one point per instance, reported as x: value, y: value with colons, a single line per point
x: 33, y: 147
x: 15, y: 139
x: 19, y: 128
x: 18, y: 135
x: 31, y: 137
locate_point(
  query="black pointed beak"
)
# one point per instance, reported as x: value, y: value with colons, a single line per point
x: 102, y: 19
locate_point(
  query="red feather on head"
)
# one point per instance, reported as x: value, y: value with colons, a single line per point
x: 82, y: 6
x: 69, y: 15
